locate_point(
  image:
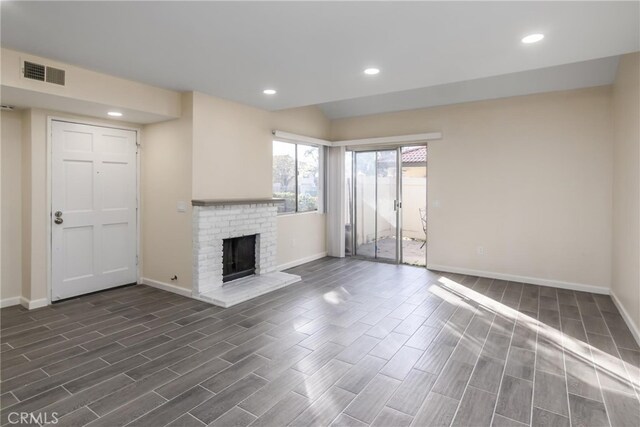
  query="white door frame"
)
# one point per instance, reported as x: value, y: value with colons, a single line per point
x: 50, y: 120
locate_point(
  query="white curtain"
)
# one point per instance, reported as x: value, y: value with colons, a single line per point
x: 335, y: 200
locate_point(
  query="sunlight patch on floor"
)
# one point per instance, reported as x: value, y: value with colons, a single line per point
x: 611, y: 370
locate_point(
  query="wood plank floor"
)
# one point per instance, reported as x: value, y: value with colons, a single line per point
x: 355, y: 343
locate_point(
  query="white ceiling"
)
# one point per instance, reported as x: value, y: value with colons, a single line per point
x: 23, y: 98
x: 314, y: 52
x: 596, y: 72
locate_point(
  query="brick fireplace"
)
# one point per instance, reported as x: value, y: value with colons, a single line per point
x: 215, y: 221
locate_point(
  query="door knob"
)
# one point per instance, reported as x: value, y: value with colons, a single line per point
x: 58, y: 214
x: 58, y: 220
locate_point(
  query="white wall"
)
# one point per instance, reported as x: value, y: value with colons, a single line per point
x: 414, y: 198
x: 626, y: 189
x: 11, y: 259
x: 369, y: 220
x: 527, y: 178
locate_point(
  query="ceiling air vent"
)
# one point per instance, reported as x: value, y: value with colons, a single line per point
x: 34, y: 71
x: 55, y: 75
x: 43, y: 73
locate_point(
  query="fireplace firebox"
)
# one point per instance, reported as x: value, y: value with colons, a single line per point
x: 238, y: 257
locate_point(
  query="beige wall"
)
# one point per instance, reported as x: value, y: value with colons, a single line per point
x: 35, y: 209
x: 11, y: 260
x: 166, y: 158
x: 231, y: 149
x: 169, y: 170
x: 527, y: 178
x: 232, y: 159
x: 96, y: 88
x: 26, y: 204
x: 84, y: 88
x: 626, y: 187
x: 309, y: 121
x: 35, y: 198
x: 218, y: 149
x: 300, y: 236
x: 166, y: 177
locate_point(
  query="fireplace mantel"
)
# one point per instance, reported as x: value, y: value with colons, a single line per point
x: 225, y: 202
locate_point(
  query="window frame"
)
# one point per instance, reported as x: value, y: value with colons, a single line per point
x: 321, y: 176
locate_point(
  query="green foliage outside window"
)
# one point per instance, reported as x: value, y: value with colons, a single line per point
x: 286, y: 185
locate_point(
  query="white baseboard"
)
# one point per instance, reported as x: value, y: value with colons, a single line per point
x: 301, y: 261
x: 522, y: 279
x: 26, y: 303
x: 32, y: 304
x: 167, y: 287
x: 8, y: 302
x: 627, y: 318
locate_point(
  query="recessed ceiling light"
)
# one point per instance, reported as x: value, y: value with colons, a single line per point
x: 115, y: 114
x: 532, y: 38
x: 269, y: 91
x: 371, y: 71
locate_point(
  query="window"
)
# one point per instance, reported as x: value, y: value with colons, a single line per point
x: 296, y: 176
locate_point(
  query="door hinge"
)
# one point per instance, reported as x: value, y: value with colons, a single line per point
x: 136, y: 259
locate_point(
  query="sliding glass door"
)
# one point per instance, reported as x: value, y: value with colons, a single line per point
x: 386, y: 204
x: 376, y: 204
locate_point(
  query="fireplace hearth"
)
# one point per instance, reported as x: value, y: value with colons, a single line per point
x: 238, y: 257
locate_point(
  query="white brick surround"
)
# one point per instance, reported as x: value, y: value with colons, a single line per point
x: 216, y: 220
x: 212, y: 224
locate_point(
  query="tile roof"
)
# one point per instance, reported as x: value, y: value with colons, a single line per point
x: 414, y: 155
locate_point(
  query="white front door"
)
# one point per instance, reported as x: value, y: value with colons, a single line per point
x: 93, y: 209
